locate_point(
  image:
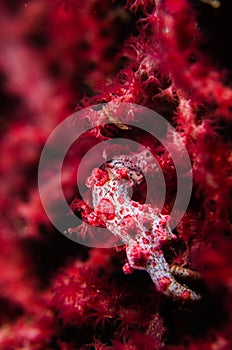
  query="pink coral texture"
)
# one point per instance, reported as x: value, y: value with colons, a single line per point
x: 58, y: 57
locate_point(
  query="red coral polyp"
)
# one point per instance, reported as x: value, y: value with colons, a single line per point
x: 56, y: 294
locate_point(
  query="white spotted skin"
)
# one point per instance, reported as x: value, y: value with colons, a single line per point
x: 142, y: 228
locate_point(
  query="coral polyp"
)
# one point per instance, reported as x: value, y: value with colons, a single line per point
x: 173, y: 57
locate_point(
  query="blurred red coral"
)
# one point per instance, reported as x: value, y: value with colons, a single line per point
x: 55, y: 294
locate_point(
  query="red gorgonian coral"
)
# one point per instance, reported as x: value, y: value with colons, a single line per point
x: 55, y: 55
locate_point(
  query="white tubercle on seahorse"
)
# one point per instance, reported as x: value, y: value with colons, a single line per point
x: 142, y: 228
